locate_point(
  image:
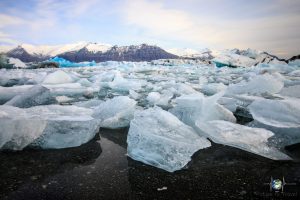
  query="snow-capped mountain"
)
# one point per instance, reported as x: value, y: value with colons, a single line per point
x: 192, y: 53
x: 53, y: 50
x: 87, y: 51
x: 245, y: 58
x: 141, y: 52
x: 22, y: 54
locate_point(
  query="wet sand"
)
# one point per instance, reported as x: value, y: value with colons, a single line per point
x: 100, y: 169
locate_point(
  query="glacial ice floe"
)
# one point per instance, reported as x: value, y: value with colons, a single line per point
x: 58, y: 77
x: 7, y: 93
x: 277, y: 113
x: 249, y: 139
x: 34, y: 96
x: 47, y: 127
x: 66, y: 63
x: 279, y: 116
x: 158, y: 138
x: 197, y: 94
x: 291, y: 91
x: 197, y: 107
x: 213, y: 88
x: 233, y: 60
x: 259, y: 84
x: 116, y: 112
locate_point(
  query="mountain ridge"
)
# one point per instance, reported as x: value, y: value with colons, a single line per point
x: 80, y: 52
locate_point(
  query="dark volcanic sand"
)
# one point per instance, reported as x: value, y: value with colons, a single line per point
x: 101, y: 170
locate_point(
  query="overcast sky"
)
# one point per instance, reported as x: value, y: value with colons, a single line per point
x: 269, y: 25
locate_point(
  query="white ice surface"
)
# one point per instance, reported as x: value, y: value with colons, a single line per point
x: 116, y: 112
x: 158, y: 138
x: 46, y: 127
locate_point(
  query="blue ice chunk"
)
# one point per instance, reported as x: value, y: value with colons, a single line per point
x: 66, y: 63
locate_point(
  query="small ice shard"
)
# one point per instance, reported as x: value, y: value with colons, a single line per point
x: 35, y: 96
x: 84, y: 82
x: 277, y: 113
x: 162, y: 188
x: 183, y: 89
x: 124, y: 85
x: 292, y: 91
x: 229, y: 103
x: 158, y: 138
x: 134, y: 95
x: 116, y: 112
x: 153, y: 97
x: 46, y: 127
x: 213, y: 88
x: 63, y: 99
x: 58, y: 77
x: 191, y: 108
x: 260, y: 84
x: 70, y: 89
x: 17, y: 63
x: 7, y: 93
x: 295, y: 63
x: 246, y: 138
x: 295, y: 73
x: 93, y: 103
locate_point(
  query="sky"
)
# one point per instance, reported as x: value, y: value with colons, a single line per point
x: 267, y: 25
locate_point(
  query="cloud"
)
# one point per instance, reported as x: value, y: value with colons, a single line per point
x: 270, y: 25
x: 7, y: 20
x: 273, y: 32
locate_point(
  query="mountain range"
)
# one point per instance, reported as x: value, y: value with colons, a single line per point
x: 87, y: 51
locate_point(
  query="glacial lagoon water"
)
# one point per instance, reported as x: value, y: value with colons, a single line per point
x: 100, y: 169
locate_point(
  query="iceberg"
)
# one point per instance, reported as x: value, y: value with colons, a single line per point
x: 158, y: 138
x: 47, y: 127
x: 66, y: 63
x: 124, y: 85
x: 93, y: 103
x: 7, y: 93
x: 233, y: 60
x: 277, y: 113
x: 17, y: 128
x: 282, y: 117
x: 155, y: 98
x: 291, y: 91
x: 134, y: 95
x: 246, y: 138
x: 115, y: 113
x: 58, y: 77
x: 196, y: 107
x: 35, y: 96
x: 71, y: 90
x: 213, y: 88
x: 258, y: 85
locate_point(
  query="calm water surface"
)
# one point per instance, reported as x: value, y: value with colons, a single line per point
x: 100, y: 169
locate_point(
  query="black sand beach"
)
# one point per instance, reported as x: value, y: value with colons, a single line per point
x: 100, y: 169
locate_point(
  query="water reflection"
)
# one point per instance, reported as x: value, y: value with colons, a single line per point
x: 117, y: 136
x: 216, y: 172
x: 17, y: 168
x: 101, y: 170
